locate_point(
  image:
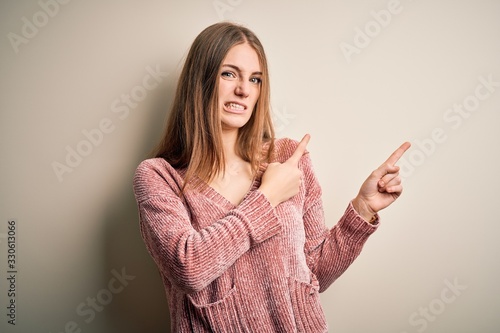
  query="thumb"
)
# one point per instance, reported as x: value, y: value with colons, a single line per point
x: 300, y: 150
x: 385, y: 169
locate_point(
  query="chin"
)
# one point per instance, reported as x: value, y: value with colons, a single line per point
x: 232, y: 126
x: 234, y: 123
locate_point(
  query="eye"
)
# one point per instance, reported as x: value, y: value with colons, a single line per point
x: 228, y: 74
x: 256, y: 80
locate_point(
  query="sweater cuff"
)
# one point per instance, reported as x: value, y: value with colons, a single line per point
x: 262, y: 220
x: 355, y: 226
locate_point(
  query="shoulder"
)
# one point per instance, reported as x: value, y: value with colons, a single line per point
x: 154, y: 176
x: 152, y: 166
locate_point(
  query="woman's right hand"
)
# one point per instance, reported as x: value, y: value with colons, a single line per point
x: 281, y: 181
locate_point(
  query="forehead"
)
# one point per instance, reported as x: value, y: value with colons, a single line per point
x: 244, y: 57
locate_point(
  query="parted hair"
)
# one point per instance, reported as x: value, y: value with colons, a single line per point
x: 192, y: 138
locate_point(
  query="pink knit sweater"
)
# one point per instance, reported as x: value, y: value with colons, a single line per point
x: 245, y: 268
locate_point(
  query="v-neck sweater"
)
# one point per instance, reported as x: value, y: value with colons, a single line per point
x: 247, y: 267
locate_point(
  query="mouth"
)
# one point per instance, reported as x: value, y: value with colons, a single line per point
x: 234, y: 107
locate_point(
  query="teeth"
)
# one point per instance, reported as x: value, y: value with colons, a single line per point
x: 236, y: 106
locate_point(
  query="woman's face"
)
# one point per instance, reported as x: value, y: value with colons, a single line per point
x: 239, y: 86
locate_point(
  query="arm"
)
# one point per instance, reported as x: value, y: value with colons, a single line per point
x: 330, y: 252
x: 192, y: 259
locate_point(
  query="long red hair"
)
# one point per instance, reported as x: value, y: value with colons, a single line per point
x: 192, y: 137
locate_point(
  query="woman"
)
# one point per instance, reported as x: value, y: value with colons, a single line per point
x: 232, y: 217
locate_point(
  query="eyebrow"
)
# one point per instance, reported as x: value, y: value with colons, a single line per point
x: 238, y: 69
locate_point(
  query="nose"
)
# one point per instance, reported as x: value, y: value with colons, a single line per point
x: 242, y: 88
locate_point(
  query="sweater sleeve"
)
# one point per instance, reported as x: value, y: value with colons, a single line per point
x: 192, y: 259
x: 330, y: 252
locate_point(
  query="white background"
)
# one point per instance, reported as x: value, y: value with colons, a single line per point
x: 77, y: 230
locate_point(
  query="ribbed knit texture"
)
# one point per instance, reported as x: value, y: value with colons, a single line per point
x: 245, y: 268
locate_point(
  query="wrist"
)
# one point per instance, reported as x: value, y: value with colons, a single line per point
x: 268, y: 195
x: 364, y: 210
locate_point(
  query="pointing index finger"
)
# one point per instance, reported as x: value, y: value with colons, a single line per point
x: 392, y: 160
x: 300, y: 150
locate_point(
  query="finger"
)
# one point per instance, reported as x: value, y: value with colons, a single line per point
x: 385, y: 170
x: 395, y: 190
x: 388, y: 178
x: 300, y: 150
x: 391, y: 185
x: 397, y: 154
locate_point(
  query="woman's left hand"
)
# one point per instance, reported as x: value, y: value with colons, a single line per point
x: 382, y: 187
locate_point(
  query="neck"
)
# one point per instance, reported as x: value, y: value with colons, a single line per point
x: 229, y: 141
